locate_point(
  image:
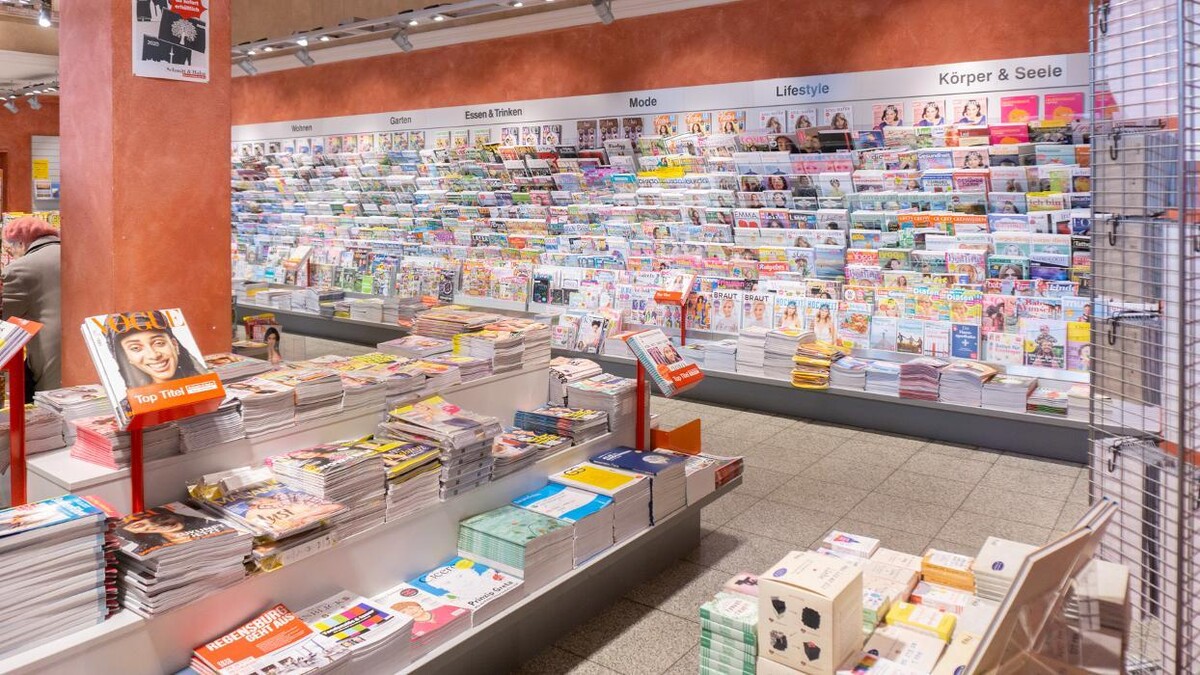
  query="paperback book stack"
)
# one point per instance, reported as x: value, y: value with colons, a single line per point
x: 630, y: 493
x: 751, y: 350
x: 962, y: 382
x: 276, y: 641
x: 361, y: 628
x: 1008, y: 392
x: 729, y: 634
x: 883, y: 377
x: 348, y: 475
x: 363, y: 391
x: 43, y: 430
x: 412, y: 471
x: 564, y: 371
x: 484, y: 590
x: 446, y: 323
x: 235, y: 367
x: 55, y: 570
x: 469, y: 367
x: 436, y: 620
x: 849, y: 373
x: 536, y: 335
x: 438, y: 376
x: 516, y: 449
x: 948, y: 569
x: 463, y: 438
x: 996, y: 567
x: 721, y: 355
x: 534, y: 547
x: 318, y: 391
x: 779, y: 350
x: 579, y: 424
x: 223, y: 425
x: 504, y: 349
x: 812, y: 362
x: 100, y: 440
x: 612, y: 394
x: 1047, y: 401
x: 416, y: 346
x: 919, y: 378
x: 172, y: 555
x: 590, y: 514
x: 666, y: 471
x: 73, y: 403
x: 267, y: 405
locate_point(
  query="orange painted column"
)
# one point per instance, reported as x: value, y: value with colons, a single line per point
x: 145, y: 181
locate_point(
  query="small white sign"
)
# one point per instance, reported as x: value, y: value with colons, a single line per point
x: 170, y: 39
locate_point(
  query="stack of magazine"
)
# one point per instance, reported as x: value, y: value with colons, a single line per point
x: 234, y: 367
x: 1008, y: 392
x: 172, y: 555
x: 919, y: 378
x: 469, y: 367
x: 590, y: 513
x: 962, y: 382
x: 224, y: 425
x: 516, y: 449
x: 812, y: 363
x: 54, y: 554
x: 612, y: 394
x: 564, y: 371
x: 722, y: 355
x: 412, y: 471
x: 504, y: 349
x: 1047, y: 400
x: 267, y: 405
x: 438, y: 376
x: 361, y: 628
x: 446, y: 323
x: 630, y: 493
x: 536, y: 548
x: 318, y: 391
x: 780, y: 349
x: 536, y: 336
x: 849, y: 373
x: 883, y: 377
x: 72, y: 403
x: 275, y: 641
x: 416, y: 346
x: 43, y: 430
x: 463, y: 438
x: 348, y: 475
x: 435, y: 619
x: 483, y: 589
x: 578, y: 424
x: 100, y: 440
x: 402, y: 381
x: 667, y: 474
x: 14, y: 336
x: 363, y: 391
x: 751, y: 350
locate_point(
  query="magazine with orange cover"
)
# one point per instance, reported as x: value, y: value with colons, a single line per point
x: 262, y: 645
x: 662, y: 361
x: 731, y: 121
x: 148, y: 361
x: 698, y: 123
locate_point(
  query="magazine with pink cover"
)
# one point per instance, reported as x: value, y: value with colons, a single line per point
x: 928, y: 112
x: 1018, y: 109
x: 1067, y: 106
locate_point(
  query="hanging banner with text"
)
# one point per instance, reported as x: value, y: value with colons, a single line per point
x: 170, y: 39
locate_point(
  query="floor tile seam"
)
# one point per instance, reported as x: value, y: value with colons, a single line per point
x: 685, y: 654
x: 978, y: 512
x: 754, y: 534
x: 797, y: 506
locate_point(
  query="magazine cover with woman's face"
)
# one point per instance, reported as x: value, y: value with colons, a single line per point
x: 148, y: 361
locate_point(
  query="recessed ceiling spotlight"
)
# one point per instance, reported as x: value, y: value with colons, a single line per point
x: 268, y: 48
x: 324, y: 38
x: 438, y: 17
x: 252, y: 52
x: 303, y: 42
x: 413, y: 22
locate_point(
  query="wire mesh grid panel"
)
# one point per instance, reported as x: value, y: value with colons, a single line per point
x: 1145, y: 281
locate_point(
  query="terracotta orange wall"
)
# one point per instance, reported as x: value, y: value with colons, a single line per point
x: 16, y: 132
x: 746, y: 40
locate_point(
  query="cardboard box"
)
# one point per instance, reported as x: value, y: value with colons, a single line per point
x: 810, y: 612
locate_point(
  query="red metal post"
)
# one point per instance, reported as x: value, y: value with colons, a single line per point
x: 643, y: 407
x: 16, y: 427
x: 137, y: 477
x: 682, y: 324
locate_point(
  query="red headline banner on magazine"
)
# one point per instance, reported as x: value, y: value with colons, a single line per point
x: 175, y: 393
x: 665, y: 296
x: 682, y: 375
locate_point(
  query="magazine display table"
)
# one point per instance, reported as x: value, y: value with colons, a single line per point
x: 339, y: 329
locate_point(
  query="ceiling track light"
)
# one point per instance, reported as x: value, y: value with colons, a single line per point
x: 34, y: 103
x: 268, y: 48
x: 247, y: 66
x: 438, y: 17
x: 44, y: 13
x: 11, y: 107
x: 603, y: 10
x: 304, y: 57
x: 303, y: 42
x: 324, y: 38
x: 402, y: 41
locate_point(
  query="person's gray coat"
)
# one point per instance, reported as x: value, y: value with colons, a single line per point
x: 32, y: 290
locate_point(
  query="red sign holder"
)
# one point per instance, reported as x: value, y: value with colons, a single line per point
x: 137, y: 425
x: 16, y: 427
x: 643, y: 407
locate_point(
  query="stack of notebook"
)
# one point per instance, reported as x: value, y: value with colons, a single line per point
x: 590, y: 513
x: 630, y: 493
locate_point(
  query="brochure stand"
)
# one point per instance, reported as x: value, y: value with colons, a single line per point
x: 137, y: 425
x: 15, y: 369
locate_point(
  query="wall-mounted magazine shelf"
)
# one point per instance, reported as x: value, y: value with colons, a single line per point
x: 137, y: 426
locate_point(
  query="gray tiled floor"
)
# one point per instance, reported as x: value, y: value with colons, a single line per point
x: 802, y: 479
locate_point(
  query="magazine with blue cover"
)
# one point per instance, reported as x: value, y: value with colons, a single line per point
x: 651, y: 463
x: 563, y: 502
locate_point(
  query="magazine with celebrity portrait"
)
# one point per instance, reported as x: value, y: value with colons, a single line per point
x: 148, y: 361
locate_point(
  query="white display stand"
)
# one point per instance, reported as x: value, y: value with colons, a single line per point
x: 53, y: 473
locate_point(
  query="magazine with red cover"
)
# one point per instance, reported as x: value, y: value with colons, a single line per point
x: 275, y: 641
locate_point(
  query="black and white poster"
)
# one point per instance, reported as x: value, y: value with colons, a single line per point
x: 170, y: 39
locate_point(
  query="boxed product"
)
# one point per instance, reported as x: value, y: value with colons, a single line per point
x: 949, y: 569
x: 742, y: 582
x: 958, y: 654
x: 909, y: 648
x: 873, y: 664
x: 875, y: 574
x: 887, y: 556
x: 810, y: 612
x: 851, y: 544
x: 922, y: 619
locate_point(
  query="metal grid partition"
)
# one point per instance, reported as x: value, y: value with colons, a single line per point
x: 1145, y: 257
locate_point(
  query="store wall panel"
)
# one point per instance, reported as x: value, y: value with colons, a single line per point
x: 747, y: 40
x: 16, y: 141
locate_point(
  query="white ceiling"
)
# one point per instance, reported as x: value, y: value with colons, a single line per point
x: 24, y: 67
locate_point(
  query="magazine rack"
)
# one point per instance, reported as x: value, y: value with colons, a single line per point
x: 15, y: 369
x: 137, y: 425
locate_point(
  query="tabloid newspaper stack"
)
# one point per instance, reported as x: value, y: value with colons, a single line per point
x: 266, y: 405
x: 360, y: 627
x: 416, y: 346
x: 630, y: 493
x: 962, y: 382
x: 615, y: 395
x: 435, y: 619
x: 54, y: 554
x: 73, y: 403
x: 536, y: 548
x: 564, y: 371
x: 483, y: 589
x: 43, y: 430
x: 516, y: 449
x: 350, y: 476
x: 577, y: 424
x: 463, y: 438
x: 224, y: 425
x: 100, y: 441
x: 590, y: 513
x: 667, y: 473
x: 318, y: 391
x: 172, y: 555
